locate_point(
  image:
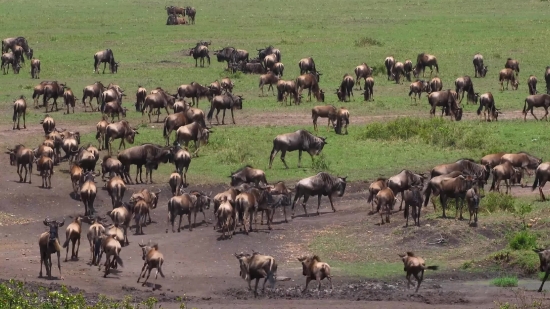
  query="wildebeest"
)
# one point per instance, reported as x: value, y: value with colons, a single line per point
x: 45, y: 166
x: 249, y: 202
x: 226, y: 217
x: 176, y: 184
x: 182, y: 160
x: 53, y: 90
x: 69, y: 99
x: 322, y: 184
x: 408, y: 68
x: 110, y: 245
x: 173, y: 122
x: 111, y: 166
x: 455, y: 188
x: 35, y: 68
x: 506, y: 172
x: 140, y: 97
x: 24, y: 158
x: 7, y: 59
x: 544, y: 257
x: 417, y: 88
x: 152, y: 259
x: 251, y: 67
x: 92, y: 91
x: 189, y: 204
x: 374, y: 188
x: 193, y: 132
x: 300, y: 140
x: 512, y: 64
x: 508, y: 76
x: 466, y: 166
x: 547, y: 79
x: 532, y: 84
x: 413, y: 198
x: 268, y: 79
x: 194, y: 91
x: 314, y: 269
x: 269, y: 61
x: 10, y: 43
x: 415, y: 265
x: 101, y: 127
x: 262, y: 53
x: 492, y: 160
x: 448, y: 101
x: 257, y: 266
x: 49, y: 244
x: 384, y: 200
x: 542, y: 175
x: 473, y: 198
x: 120, y: 129
x: 346, y: 87
x: 278, y: 69
x: 309, y: 81
x: 286, y: 89
x: 486, y: 100
x: 522, y: 160
x: 227, y: 85
x: 199, y: 51
x: 95, y: 230
x: 404, y: 181
x: 224, y: 102
x: 191, y: 12
x: 113, y: 108
x: 248, y: 174
x: 434, y: 186
x: 19, y: 109
x: 116, y: 190
x: 215, y: 88
x: 464, y: 84
x: 307, y: 65
x: 105, y: 56
x: 157, y: 101
x: 88, y: 192
x: 175, y: 20
x: 324, y: 111
x: 426, y: 60
x: 436, y: 84
x: 231, y: 55
x: 389, y: 63
x: 537, y: 100
x: 72, y: 234
x: 138, y: 156
x: 397, y: 72
x: 479, y: 68
x: 342, y: 121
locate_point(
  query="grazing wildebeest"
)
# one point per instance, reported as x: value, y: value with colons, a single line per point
x: 10, y: 43
x: 92, y: 91
x: 521, y: 160
x: 479, y: 68
x: 408, y: 68
x: 398, y: 71
x: 193, y: 91
x: 436, y: 84
x: 389, y: 62
x: 300, y: 140
x: 153, y: 259
x: 224, y: 102
x: 19, y: 109
x: 404, y: 181
x: 448, y: 101
x: 322, y: 184
x: 542, y: 175
x: 415, y: 265
x: 512, y: 64
x: 417, y: 87
x: 278, y: 69
x: 120, y: 129
x: 268, y: 79
x: 374, y: 188
x: 69, y: 99
x: 413, y: 198
x: 48, y: 124
x: 532, y: 84
x: 342, y: 120
x: 49, y: 244
x: 138, y: 156
x: 24, y: 158
x: 508, y: 76
x: 506, y: 172
x: 547, y: 79
x: 464, y: 84
x: 346, y: 86
x: 35, y: 68
x: 324, y: 111
x: 257, y: 266
x: 104, y: 56
x: 248, y: 174
x: 140, y: 97
x: 309, y: 81
x: 53, y: 90
x: 175, y: 20
x: 455, y: 188
x: 426, y: 60
x: 7, y: 59
x: 362, y: 71
x: 537, y: 100
x: 314, y: 269
x: 384, y: 200
x: 486, y: 100
x: 368, y: 93
x: 157, y: 101
x: 199, y: 51
x: 193, y: 132
x: 307, y: 65
x: 191, y: 12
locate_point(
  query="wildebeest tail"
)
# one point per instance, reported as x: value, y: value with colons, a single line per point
x: 14, y: 112
x: 494, y: 181
x: 211, y: 112
x: 479, y: 108
x: 97, y: 247
x: 66, y: 243
x: 118, y: 259
x: 433, y: 267
x: 427, y: 193
x: 165, y: 130
x: 98, y: 134
x: 525, y: 107
x: 271, y: 274
x: 536, y: 181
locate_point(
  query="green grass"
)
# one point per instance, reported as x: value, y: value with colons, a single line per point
x: 505, y: 282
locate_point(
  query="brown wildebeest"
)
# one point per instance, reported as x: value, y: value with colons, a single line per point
x: 199, y: 51
x: 69, y: 99
x: 398, y: 71
x: 278, y: 69
x: 122, y: 130
x: 88, y: 192
x: 157, y: 101
x: 19, y: 53
x: 105, y: 56
x: 176, y: 184
x: 140, y: 156
x: 92, y: 91
x: 49, y: 244
x: 434, y: 186
x: 269, y: 61
x: 72, y: 234
x: 95, y: 230
x: 192, y: 114
x: 508, y: 76
x: 368, y: 94
x: 19, y: 109
x: 111, y: 166
x: 268, y: 79
x: 404, y: 181
x: 110, y: 245
x: 141, y: 94
x: 374, y: 188
x: 544, y: 257
x: 215, y: 88
x: 263, y: 52
x: 54, y: 90
x: 521, y: 160
x: 309, y: 81
x: 248, y: 174
x: 175, y: 20
x: 187, y: 204
x: 532, y: 84
x: 362, y: 71
x: 171, y: 123
x: 193, y: 132
x: 346, y: 87
x: 322, y: 184
x: 505, y: 171
x: 455, y: 188
x: 153, y: 259
x: 226, y: 217
x: 286, y: 89
x: 479, y: 68
x: 466, y: 166
x: 182, y: 160
x: 113, y: 108
x: 384, y: 200
x: 45, y: 166
x: 227, y: 84
x: 547, y: 79
x: 324, y: 111
x: 224, y: 102
x: 300, y: 140
x: 389, y: 62
x: 492, y: 160
x: 542, y: 175
x: 35, y: 68
x: 426, y: 60
x: 486, y: 100
x: 314, y: 269
x: 116, y: 190
x: 24, y: 158
x: 408, y: 68
x: 436, y: 84
x: 175, y: 10
x: 415, y: 265
x: 537, y: 100
x: 307, y: 65
x: 191, y: 12
x: 417, y: 88
x: 76, y: 173
x: 101, y: 128
x: 7, y: 59
x: 473, y: 198
x: 10, y: 43
x: 248, y: 203
x: 448, y: 101
x: 413, y: 198
x: 113, y: 92
x: 512, y: 64
x: 464, y: 84
x: 257, y: 266
x: 342, y: 120
x: 193, y: 91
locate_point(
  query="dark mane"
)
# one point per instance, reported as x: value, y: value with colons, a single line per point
x: 107, y: 157
x: 410, y: 253
x: 316, y: 258
x: 526, y: 153
x: 466, y: 159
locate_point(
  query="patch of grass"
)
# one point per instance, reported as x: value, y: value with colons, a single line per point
x: 524, y: 261
x: 494, y: 201
x: 505, y: 282
x: 367, y: 41
x: 378, y: 69
x: 523, y: 240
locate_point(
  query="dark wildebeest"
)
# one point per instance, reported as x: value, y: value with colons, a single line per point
x: 248, y: 174
x: 173, y: 122
x: 417, y: 87
x: 389, y: 62
x: 479, y: 68
x: 35, y: 68
x: 486, y: 100
x: 532, y: 84
x: 122, y: 130
x: 434, y: 186
x: 398, y: 71
x: 92, y: 91
x: 448, y: 101
x: 111, y: 166
x: 193, y: 91
x: 191, y: 12
x: 227, y: 53
x: 48, y: 124
x: 24, y: 158
x: 257, y: 266
x: 324, y: 111
x: 415, y: 265
x: 175, y: 10
x: 182, y: 160
x: 309, y: 81
x: 362, y: 71
x: 408, y: 68
x: 426, y: 60
x: 113, y: 108
x: 49, y: 244
x: 464, y: 84
x: 384, y: 200
x: 268, y: 79
x: 251, y: 67
x: 224, y: 102
x: 537, y: 100
x: 321, y: 184
x: 19, y: 53
x: 506, y: 172
x: 508, y: 76
x: 368, y: 93
x: 542, y: 175
x: 436, y: 84
x: 547, y: 79
x: 101, y: 127
x: 199, y: 51
x: 512, y: 64
x: 174, y: 20
x: 140, y: 97
x: 138, y: 155
x: 7, y: 59
x: 307, y: 65
x: 54, y: 90
x: 342, y: 121
x: 262, y: 53
x: 473, y: 198
x: 193, y: 132
x: 158, y: 100
x: 287, y: 89
x: 346, y: 86
x: 19, y: 109
x: 521, y: 160
x: 278, y: 69
x: 10, y: 43
x: 69, y: 99
x: 455, y: 188
x: 104, y: 56
x: 544, y: 257
x: 404, y: 181
x: 413, y: 198
x: 300, y: 140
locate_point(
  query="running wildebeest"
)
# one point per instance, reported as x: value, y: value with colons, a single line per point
x: 300, y: 140
x: 479, y: 68
x: 542, y: 175
x: 314, y: 269
x: 224, y: 102
x: 19, y: 109
x: 362, y: 71
x: 426, y: 60
x: 486, y: 100
x: 104, y: 56
x: 49, y: 244
x: 544, y: 257
x: 389, y: 63
x: 448, y: 101
x: 199, y: 51
x: 415, y: 265
x: 404, y: 181
x: 436, y: 84
x: 464, y: 84
x: 307, y: 65
x: 322, y: 184
x: 35, y: 68
x: 537, y: 100
x: 257, y: 266
x: 512, y: 64
x: 532, y: 84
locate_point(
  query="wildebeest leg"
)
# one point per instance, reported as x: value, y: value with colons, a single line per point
x: 409, y: 280
x: 419, y: 279
x: 179, y: 225
x: 402, y: 199
x: 58, y: 265
x: 308, y: 279
x: 319, y: 202
x: 189, y: 220
x: 546, y: 113
x: 223, y: 118
x: 299, y: 158
x: 443, y: 200
x: 331, y: 204
x: 541, y: 285
x: 232, y: 117
x: 283, y: 152
x: 304, y: 202
x: 42, y: 261
x: 508, y: 185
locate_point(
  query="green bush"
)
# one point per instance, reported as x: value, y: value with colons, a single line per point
x: 320, y: 163
x: 505, y: 282
x: 367, y: 41
x: 494, y: 201
x: 523, y: 240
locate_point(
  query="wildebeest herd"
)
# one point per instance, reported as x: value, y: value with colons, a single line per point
x: 250, y: 192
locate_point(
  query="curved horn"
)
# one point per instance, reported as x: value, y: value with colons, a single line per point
x: 158, y: 192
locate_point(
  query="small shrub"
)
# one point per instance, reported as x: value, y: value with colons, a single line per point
x: 494, y: 201
x: 505, y: 282
x: 379, y: 69
x: 320, y: 163
x: 366, y: 41
x: 523, y: 240
x: 496, y: 56
x: 467, y: 265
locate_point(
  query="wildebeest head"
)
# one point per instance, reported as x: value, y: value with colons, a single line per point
x: 131, y: 134
x: 13, y: 158
x: 203, y: 135
x: 146, y: 248
x: 88, y: 176
x: 243, y: 264
x: 341, y: 185
x: 203, y: 200
x: 544, y: 257
x: 54, y: 227
x: 483, y: 71
x: 317, y: 146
